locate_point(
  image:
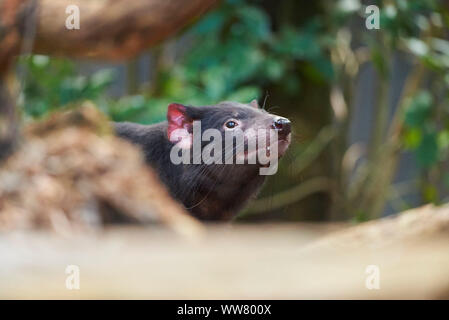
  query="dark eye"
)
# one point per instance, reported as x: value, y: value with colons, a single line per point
x: 231, y: 124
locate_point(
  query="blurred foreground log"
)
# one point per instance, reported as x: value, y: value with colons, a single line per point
x: 72, y: 174
x: 240, y: 261
x: 109, y: 29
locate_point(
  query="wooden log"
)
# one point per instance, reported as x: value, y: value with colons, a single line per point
x: 109, y: 29
x: 112, y: 29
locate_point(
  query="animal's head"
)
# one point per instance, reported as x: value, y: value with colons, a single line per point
x: 229, y: 119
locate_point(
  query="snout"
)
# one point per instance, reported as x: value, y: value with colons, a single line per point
x: 283, y: 127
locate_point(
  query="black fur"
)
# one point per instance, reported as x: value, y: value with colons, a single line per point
x: 210, y: 192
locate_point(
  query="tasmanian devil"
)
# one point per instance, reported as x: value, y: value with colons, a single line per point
x: 217, y: 190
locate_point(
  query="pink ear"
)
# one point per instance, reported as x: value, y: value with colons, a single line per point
x: 254, y: 104
x: 179, y: 125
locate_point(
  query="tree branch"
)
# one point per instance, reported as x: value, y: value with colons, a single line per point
x: 112, y: 29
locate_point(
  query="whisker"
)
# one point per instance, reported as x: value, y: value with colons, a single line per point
x: 273, y: 107
x: 216, y: 181
x: 199, y: 170
x: 265, y: 100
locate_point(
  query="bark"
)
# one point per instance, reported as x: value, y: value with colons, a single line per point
x: 11, y: 35
x: 112, y: 29
x: 109, y: 29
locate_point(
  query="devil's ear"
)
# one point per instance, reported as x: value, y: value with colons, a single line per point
x: 254, y: 104
x: 179, y: 125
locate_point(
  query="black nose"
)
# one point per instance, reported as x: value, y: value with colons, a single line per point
x: 283, y: 126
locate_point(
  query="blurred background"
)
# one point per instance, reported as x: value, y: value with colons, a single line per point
x: 369, y: 106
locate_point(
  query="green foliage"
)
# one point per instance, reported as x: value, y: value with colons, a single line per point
x: 53, y: 83
x: 419, y: 110
x: 421, y: 135
x: 416, y: 29
x: 235, y: 50
x: 234, y: 53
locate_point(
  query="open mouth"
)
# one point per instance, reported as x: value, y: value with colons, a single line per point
x: 283, y: 145
x: 252, y: 156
